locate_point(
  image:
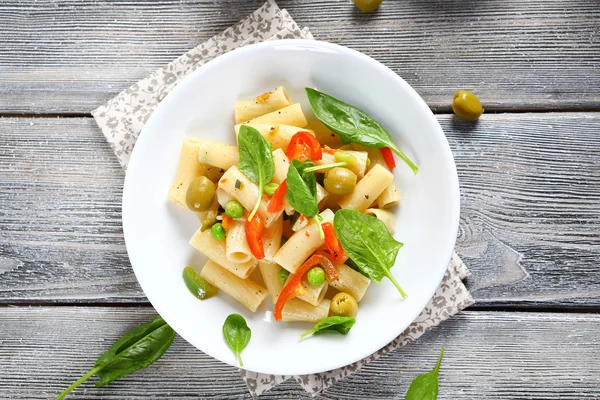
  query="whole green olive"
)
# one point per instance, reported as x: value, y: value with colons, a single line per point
x: 344, y: 305
x: 200, y: 194
x: 367, y: 5
x: 340, y: 181
x: 466, y: 105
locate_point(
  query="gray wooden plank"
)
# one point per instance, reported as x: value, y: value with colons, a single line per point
x: 529, y: 229
x: 70, y: 56
x: 489, y: 355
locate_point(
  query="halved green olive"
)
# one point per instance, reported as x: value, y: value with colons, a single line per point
x: 340, y: 181
x: 466, y: 105
x: 200, y: 194
x: 367, y: 5
x: 344, y: 304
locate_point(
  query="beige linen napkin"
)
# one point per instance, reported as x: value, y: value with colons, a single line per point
x: 123, y: 117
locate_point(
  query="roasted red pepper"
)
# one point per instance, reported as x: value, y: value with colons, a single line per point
x: 254, y: 230
x: 226, y: 222
x: 276, y: 202
x: 333, y: 244
x: 388, y: 156
x: 304, y: 146
x: 294, y: 286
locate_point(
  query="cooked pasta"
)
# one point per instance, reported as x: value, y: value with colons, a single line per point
x: 270, y: 202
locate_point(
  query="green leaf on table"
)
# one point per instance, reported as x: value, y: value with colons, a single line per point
x: 425, y: 386
x: 237, y: 334
x: 352, y: 124
x: 331, y: 324
x: 256, y: 160
x: 133, y: 351
x: 302, y: 188
x: 368, y: 243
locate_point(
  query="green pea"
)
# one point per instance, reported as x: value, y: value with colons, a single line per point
x: 316, y: 276
x: 234, y: 209
x: 270, y: 188
x: 466, y: 105
x: 283, y: 274
x: 218, y: 231
x: 342, y: 156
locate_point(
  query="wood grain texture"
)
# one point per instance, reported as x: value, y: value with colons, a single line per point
x: 70, y: 56
x: 488, y: 356
x: 529, y: 229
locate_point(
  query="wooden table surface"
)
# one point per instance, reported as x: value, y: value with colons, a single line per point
x: 529, y: 172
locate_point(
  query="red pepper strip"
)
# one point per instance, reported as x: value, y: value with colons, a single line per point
x: 388, y: 156
x: 294, y: 286
x: 276, y: 202
x: 333, y: 244
x: 254, y: 230
x: 303, y: 142
x: 226, y: 222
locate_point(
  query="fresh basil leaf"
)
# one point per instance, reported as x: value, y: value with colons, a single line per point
x: 331, y: 324
x: 133, y: 351
x: 368, y: 243
x: 352, y: 124
x: 256, y: 160
x: 425, y: 386
x: 237, y: 334
x: 301, y: 190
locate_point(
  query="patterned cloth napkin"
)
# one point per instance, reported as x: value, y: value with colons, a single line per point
x: 123, y: 117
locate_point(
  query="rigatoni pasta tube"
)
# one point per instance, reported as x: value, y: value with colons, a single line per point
x: 367, y: 189
x: 350, y: 281
x: 389, y: 197
x: 269, y: 272
x: 214, y: 249
x: 188, y: 169
x: 314, y: 294
x: 236, y: 245
x: 301, y: 244
x: 243, y: 190
x: 359, y: 167
x: 278, y: 135
x: 282, y: 164
x: 290, y: 115
x: 247, y: 292
x: 299, y: 310
x: 324, y: 135
x: 265, y: 103
x: 387, y: 217
x: 218, y: 154
x: 272, y: 239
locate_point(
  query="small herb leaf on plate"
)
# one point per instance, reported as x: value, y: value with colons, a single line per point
x: 133, y: 351
x: 425, y: 386
x: 331, y: 324
x: 237, y: 334
x: 302, y: 188
x: 256, y: 160
x: 366, y: 240
x: 352, y: 124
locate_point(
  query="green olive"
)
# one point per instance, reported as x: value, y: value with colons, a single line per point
x: 344, y: 304
x: 200, y: 194
x: 340, y: 181
x: 197, y: 285
x: 367, y: 5
x: 466, y: 105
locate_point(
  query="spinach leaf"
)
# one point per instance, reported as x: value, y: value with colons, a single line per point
x: 236, y: 334
x: 256, y: 160
x: 368, y: 243
x: 331, y: 324
x: 425, y: 386
x: 302, y: 188
x: 352, y: 124
x: 135, y: 350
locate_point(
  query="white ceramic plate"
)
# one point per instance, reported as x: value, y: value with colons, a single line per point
x: 157, y: 232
